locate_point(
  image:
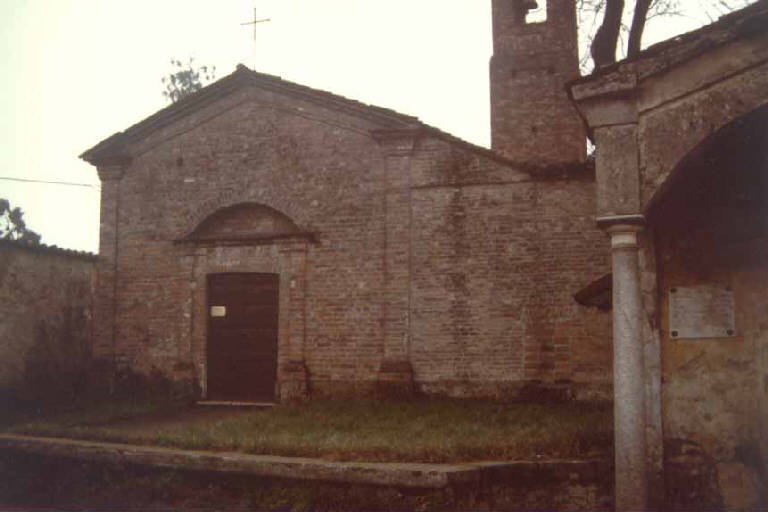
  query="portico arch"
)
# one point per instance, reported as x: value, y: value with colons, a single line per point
x: 670, y: 134
x: 711, y: 233
x: 735, y: 143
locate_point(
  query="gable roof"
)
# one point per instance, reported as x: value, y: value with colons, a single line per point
x: 114, y: 148
x: 115, y: 145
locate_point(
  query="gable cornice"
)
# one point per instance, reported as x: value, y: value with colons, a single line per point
x: 117, y: 144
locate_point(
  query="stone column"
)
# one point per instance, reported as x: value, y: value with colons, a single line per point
x: 628, y: 368
x: 618, y: 204
x: 105, y: 306
x: 609, y: 105
x: 396, y: 373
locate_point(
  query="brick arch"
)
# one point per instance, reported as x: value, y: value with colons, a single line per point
x: 194, y: 218
x: 686, y: 165
x: 244, y: 219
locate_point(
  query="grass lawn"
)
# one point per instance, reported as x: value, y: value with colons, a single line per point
x: 422, y: 430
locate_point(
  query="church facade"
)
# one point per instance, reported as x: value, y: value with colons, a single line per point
x: 264, y: 240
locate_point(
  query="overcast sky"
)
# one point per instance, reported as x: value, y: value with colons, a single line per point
x: 77, y: 71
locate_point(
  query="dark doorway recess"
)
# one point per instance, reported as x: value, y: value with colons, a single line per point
x: 242, y: 336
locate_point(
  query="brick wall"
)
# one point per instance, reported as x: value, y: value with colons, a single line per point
x: 45, y: 321
x: 426, y: 260
x: 498, y: 254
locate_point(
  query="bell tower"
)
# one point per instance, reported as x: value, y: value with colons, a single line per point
x: 532, y: 118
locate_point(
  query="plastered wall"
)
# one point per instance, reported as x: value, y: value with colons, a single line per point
x: 45, y: 321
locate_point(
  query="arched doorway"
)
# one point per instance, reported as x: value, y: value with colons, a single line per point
x: 248, y: 280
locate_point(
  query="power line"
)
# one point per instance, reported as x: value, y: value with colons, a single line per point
x: 23, y: 180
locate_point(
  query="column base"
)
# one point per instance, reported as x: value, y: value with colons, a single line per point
x: 395, y: 379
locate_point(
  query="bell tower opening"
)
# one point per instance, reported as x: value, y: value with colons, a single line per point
x: 537, y: 13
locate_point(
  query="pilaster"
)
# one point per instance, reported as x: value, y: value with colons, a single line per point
x: 395, y: 373
x: 293, y: 370
x: 105, y: 306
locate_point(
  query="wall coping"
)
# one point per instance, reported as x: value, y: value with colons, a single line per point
x: 623, y: 75
x: 48, y: 249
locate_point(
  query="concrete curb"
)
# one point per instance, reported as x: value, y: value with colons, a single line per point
x: 393, y: 474
x: 405, y: 475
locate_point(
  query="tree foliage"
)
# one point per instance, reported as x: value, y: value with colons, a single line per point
x: 184, y: 79
x: 12, y: 225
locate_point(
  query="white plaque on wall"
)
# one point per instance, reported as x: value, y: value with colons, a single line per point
x: 701, y: 311
x: 218, y: 311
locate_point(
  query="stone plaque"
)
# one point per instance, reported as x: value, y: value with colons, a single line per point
x: 218, y: 311
x: 701, y: 311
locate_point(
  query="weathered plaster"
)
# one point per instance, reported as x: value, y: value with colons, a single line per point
x: 46, y: 314
x: 618, y: 187
x: 688, y: 122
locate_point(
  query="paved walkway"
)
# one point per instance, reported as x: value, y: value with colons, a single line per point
x: 432, y: 476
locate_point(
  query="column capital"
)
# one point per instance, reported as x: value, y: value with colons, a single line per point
x: 623, y: 230
x: 606, y: 100
x: 111, y: 171
x: 614, y: 223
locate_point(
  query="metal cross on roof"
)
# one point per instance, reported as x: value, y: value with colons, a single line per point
x: 255, y: 24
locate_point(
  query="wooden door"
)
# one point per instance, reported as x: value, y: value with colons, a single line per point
x: 242, y: 336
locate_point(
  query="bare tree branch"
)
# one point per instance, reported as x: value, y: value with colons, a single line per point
x: 603, y: 31
x: 604, y: 44
x: 638, y: 25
